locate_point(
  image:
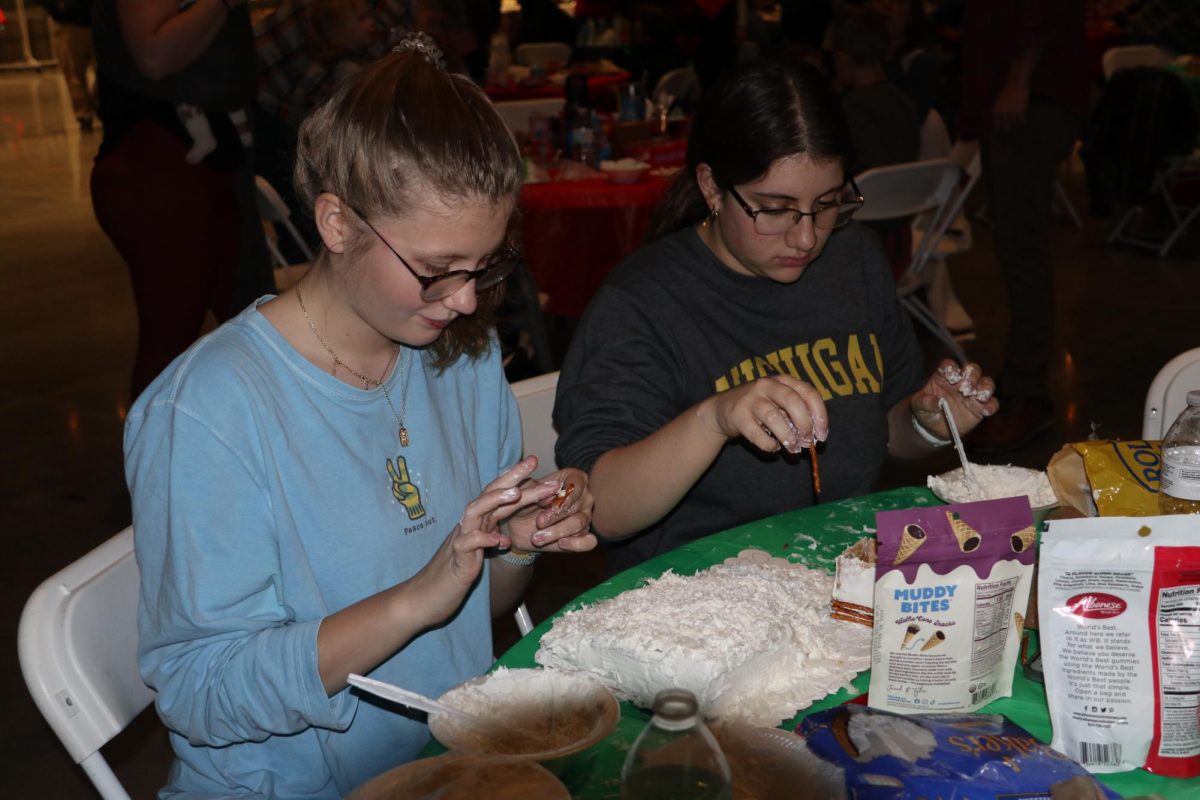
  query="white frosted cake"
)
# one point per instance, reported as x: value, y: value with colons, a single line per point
x: 754, y: 641
x: 854, y: 584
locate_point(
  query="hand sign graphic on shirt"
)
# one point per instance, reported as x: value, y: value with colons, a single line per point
x: 404, y: 490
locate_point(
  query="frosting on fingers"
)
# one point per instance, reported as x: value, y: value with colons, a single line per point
x: 951, y: 373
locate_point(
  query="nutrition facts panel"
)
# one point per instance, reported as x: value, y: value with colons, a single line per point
x: 993, y: 618
x: 1179, y: 670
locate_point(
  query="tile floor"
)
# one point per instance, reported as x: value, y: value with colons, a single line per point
x: 66, y: 348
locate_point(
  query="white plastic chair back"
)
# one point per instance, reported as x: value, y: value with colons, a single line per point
x: 1168, y: 393
x: 272, y: 209
x: 535, y: 401
x: 935, y: 137
x: 1140, y: 55
x: 679, y: 85
x: 543, y: 54
x: 516, y: 113
x: 77, y: 642
x: 902, y: 191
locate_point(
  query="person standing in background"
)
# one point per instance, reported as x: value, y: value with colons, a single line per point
x: 884, y: 127
x: 189, y: 233
x: 912, y: 62
x: 1025, y: 92
x: 72, y: 36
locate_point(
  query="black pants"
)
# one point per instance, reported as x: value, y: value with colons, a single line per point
x: 1020, y: 167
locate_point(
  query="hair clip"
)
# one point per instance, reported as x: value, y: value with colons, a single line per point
x: 422, y: 43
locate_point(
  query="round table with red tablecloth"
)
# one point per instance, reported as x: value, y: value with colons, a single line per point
x: 575, y: 232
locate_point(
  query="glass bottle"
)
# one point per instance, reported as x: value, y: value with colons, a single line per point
x: 675, y: 755
x: 1179, y: 480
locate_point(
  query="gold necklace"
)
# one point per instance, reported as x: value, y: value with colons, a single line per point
x: 368, y: 383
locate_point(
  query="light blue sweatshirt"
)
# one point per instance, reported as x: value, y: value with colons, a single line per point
x: 268, y: 495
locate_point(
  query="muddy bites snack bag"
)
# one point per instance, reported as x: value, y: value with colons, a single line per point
x: 1119, y: 602
x: 951, y: 588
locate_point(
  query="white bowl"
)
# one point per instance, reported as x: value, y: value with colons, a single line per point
x: 627, y: 170
x: 539, y: 714
x: 997, y: 481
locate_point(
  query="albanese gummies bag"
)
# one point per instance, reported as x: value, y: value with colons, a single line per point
x: 1119, y: 604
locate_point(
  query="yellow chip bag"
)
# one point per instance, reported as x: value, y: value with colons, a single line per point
x: 1108, y: 478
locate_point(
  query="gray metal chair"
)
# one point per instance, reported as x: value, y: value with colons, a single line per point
x: 901, y: 192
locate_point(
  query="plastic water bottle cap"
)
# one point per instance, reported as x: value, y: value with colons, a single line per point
x: 1193, y: 397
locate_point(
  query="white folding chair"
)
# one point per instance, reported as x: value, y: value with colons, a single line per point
x: 272, y: 209
x: 543, y: 54
x: 1138, y: 55
x: 902, y: 191
x: 516, y: 113
x: 1168, y: 392
x: 934, y: 138
x: 77, y: 642
x: 957, y: 237
x: 966, y: 154
x: 1177, y: 172
x: 535, y: 401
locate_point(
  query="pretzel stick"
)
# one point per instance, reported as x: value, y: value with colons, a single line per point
x: 560, y: 497
x: 816, y: 470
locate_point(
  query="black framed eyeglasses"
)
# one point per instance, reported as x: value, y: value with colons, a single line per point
x: 826, y: 214
x: 496, y: 267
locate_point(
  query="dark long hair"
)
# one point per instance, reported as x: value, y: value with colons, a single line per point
x: 754, y: 116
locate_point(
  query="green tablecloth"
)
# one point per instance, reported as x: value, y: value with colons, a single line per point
x: 815, y: 536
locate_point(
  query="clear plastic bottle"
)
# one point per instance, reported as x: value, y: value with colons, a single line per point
x: 1179, y: 480
x: 676, y: 756
x: 583, y: 145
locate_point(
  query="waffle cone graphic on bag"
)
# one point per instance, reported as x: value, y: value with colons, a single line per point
x: 1023, y: 539
x: 913, y: 630
x: 1020, y: 622
x: 937, y: 638
x: 968, y: 538
x: 912, y: 538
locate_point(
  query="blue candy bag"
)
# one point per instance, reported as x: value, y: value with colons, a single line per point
x: 888, y: 756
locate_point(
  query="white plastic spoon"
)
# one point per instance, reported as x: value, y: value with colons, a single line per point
x: 968, y: 471
x: 404, y: 697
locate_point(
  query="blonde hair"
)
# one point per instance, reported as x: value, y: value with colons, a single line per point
x: 400, y: 130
